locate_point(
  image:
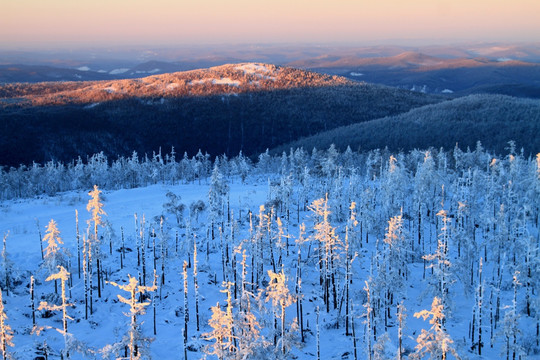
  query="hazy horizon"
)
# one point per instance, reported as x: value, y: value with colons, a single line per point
x: 33, y: 24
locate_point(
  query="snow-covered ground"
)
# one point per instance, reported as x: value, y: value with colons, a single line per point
x: 373, y: 266
x: 222, y: 81
x: 118, y: 71
x: 263, y: 71
x: 19, y: 220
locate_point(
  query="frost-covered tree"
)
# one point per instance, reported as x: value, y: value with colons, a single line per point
x: 223, y: 329
x: 222, y: 334
x: 396, y: 243
x: 95, y: 208
x: 216, y: 196
x: 369, y: 333
x: 63, y: 276
x: 436, y: 342
x: 393, y: 196
x: 278, y: 293
x: 512, y: 346
x: 6, y: 333
x: 54, y: 255
x: 401, y: 324
x: 7, y: 265
x: 136, y: 342
x: 174, y: 206
x: 195, y: 208
x: 329, y: 249
x: 440, y: 262
x: 264, y: 162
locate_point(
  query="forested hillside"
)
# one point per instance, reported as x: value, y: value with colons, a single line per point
x: 492, y: 119
x: 223, y: 110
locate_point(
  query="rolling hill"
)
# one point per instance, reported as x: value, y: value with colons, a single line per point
x: 222, y: 110
x: 492, y: 119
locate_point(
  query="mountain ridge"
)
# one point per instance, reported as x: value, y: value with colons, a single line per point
x: 406, y: 59
x: 224, y: 79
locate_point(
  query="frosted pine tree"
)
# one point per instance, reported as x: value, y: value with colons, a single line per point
x: 278, y: 293
x: 435, y: 341
x: 401, y: 324
x: 223, y: 329
x: 6, y: 333
x: 54, y: 255
x: 136, y: 342
x: 222, y: 334
x: 368, y: 334
x: 512, y: 333
x: 442, y: 276
x: 6, y: 264
x: 396, y: 246
x: 216, y: 197
x: 95, y: 208
x: 69, y: 340
x: 329, y: 249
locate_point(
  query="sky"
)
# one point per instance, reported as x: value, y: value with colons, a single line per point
x: 65, y: 23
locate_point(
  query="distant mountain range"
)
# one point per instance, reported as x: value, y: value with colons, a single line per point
x: 222, y: 110
x: 508, y: 70
x: 420, y: 72
x: 12, y: 73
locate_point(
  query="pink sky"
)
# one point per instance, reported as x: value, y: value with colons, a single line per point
x: 33, y: 23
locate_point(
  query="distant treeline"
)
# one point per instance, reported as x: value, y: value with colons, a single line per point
x: 171, y: 168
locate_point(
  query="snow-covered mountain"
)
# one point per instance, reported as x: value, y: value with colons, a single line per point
x: 245, y: 77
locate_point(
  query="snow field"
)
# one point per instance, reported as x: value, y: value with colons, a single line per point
x: 377, y: 198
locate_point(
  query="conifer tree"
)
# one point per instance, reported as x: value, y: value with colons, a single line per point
x: 63, y: 276
x: 435, y: 341
x: 78, y: 238
x: 216, y: 196
x: 136, y: 342
x: 299, y: 296
x: 440, y: 262
x: 95, y: 208
x: 328, y: 243
x: 6, y: 264
x: 87, y: 278
x: 250, y: 340
x: 222, y: 334
x: 511, y: 330
x: 369, y: 313
x: 6, y: 333
x: 278, y: 292
x: 54, y: 255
